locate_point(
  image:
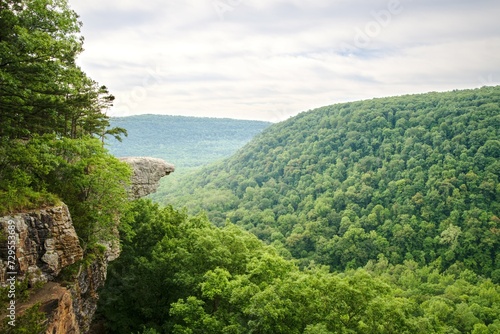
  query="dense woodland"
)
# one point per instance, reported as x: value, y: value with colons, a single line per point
x: 187, y: 142
x: 406, y: 178
x: 53, y: 121
x: 377, y: 216
x: 179, y: 274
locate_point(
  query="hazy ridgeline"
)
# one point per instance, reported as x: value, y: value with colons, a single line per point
x: 184, y: 141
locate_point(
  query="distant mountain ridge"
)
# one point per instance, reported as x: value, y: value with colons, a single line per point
x: 183, y: 141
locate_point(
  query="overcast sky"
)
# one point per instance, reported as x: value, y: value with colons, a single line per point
x: 271, y: 59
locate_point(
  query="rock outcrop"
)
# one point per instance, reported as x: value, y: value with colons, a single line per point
x: 84, y: 291
x: 46, y: 242
x: 147, y: 173
x: 62, y: 316
x: 57, y: 302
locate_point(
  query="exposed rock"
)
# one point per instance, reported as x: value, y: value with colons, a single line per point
x: 84, y: 292
x: 46, y: 242
x: 113, y: 249
x: 63, y: 318
x: 57, y: 302
x: 147, y: 173
x: 69, y: 310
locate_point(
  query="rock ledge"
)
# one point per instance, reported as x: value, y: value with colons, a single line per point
x: 147, y: 173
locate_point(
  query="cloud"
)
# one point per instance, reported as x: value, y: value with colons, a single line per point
x: 272, y: 59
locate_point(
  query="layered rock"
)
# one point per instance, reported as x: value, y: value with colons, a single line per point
x: 46, y: 242
x: 84, y: 291
x: 62, y: 317
x: 147, y: 173
x: 57, y: 302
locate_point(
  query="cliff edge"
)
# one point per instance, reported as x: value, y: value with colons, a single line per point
x: 37, y: 245
x: 40, y: 244
x: 46, y: 242
x: 147, y: 173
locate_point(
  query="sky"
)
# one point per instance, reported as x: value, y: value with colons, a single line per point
x: 272, y: 59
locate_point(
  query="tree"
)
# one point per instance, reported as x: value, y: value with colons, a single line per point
x: 93, y: 185
x: 42, y: 90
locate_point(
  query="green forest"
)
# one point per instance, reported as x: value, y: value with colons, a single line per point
x: 403, y: 178
x: 377, y: 216
x: 53, y: 125
x: 403, y: 191
x: 53, y: 121
x: 181, y: 274
x: 187, y: 142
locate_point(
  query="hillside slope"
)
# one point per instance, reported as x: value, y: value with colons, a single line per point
x: 185, y: 141
x: 410, y: 177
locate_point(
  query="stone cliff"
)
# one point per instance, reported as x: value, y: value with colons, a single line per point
x: 46, y: 243
x: 147, y: 173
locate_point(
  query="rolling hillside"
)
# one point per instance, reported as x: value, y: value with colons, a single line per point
x: 184, y: 141
x: 402, y: 178
x: 382, y: 217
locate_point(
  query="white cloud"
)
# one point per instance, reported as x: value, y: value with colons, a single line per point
x: 271, y: 59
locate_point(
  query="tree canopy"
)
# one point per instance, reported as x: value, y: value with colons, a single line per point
x: 181, y: 274
x: 377, y: 216
x: 42, y: 90
x: 188, y: 142
x: 410, y: 178
x: 53, y: 119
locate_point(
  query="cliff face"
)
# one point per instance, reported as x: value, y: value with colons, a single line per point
x: 46, y: 242
x: 84, y: 291
x: 57, y: 303
x: 147, y: 173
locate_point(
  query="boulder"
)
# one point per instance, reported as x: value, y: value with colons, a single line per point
x: 147, y: 173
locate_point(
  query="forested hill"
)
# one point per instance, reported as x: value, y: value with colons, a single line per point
x: 403, y: 178
x: 184, y: 141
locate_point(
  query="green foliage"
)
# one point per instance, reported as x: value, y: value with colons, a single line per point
x: 41, y: 88
x: 149, y: 331
x: 93, y: 185
x: 183, y: 275
x: 187, y: 142
x: 80, y: 172
x: 410, y: 178
x: 38, y: 172
x: 399, y: 195
x: 456, y: 300
x: 50, y: 116
x: 22, y: 292
x: 70, y: 273
x: 21, y: 164
x: 32, y: 321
